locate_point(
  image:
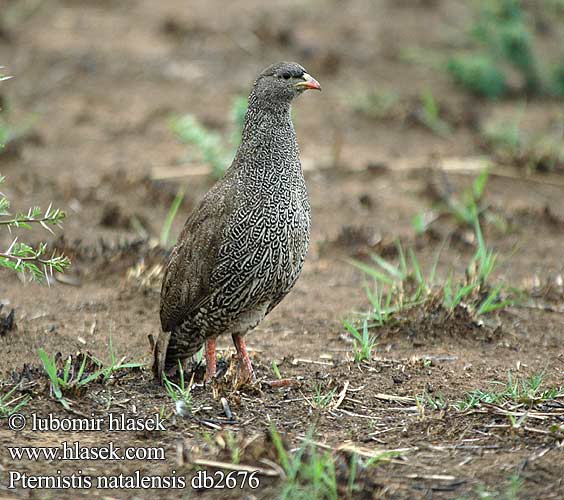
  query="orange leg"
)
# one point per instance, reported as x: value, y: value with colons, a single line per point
x: 244, y: 360
x: 210, y: 359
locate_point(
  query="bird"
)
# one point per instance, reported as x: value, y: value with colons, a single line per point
x: 243, y: 247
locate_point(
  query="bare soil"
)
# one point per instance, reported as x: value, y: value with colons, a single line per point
x: 99, y: 81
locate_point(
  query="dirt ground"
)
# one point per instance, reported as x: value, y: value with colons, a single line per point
x: 99, y: 81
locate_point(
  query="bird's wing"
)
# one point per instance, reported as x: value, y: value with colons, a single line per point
x: 186, y: 282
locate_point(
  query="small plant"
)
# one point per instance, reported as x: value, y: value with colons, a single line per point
x: 107, y: 370
x: 23, y: 258
x: 405, y: 283
x: 19, y: 256
x: 406, y: 286
x: 512, y: 490
x: 505, y: 39
x: 479, y: 74
x: 430, y: 115
x: 437, y: 402
x: 63, y: 381
x: 382, y: 309
x: 364, y: 342
x: 180, y: 391
x: 322, y: 400
x: 213, y: 149
x: 376, y: 103
x: 276, y: 370
x: 10, y: 404
x: 466, y: 207
x: 233, y: 445
x: 72, y: 377
x: 175, y: 205
x: 309, y: 475
x: 508, y: 143
x: 523, y: 392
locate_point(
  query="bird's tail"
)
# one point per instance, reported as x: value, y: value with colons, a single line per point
x: 160, y: 348
x: 168, y: 350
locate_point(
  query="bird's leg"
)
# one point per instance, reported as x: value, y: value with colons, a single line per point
x: 210, y: 359
x: 244, y: 360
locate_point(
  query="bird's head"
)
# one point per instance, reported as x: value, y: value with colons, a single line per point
x: 282, y: 82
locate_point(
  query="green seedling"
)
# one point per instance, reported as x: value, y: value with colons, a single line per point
x: 175, y: 205
x: 363, y: 341
x: 430, y: 116
x: 503, y: 38
x: 309, y: 475
x: 23, y: 258
x: 526, y: 392
x: 322, y: 400
x: 276, y: 370
x: 69, y: 378
x: 10, y: 404
x: 213, y: 149
x: 376, y: 104
x: 180, y: 391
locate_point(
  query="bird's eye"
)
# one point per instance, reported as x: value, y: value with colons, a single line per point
x: 286, y: 75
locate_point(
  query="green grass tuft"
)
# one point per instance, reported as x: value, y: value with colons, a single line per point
x: 212, y: 148
x: 479, y: 74
x: 527, y: 391
x: 180, y: 391
x: 10, y: 404
x: 173, y: 210
x: 309, y: 474
x: 398, y: 287
x: 71, y: 378
x: 503, y: 37
x: 364, y: 342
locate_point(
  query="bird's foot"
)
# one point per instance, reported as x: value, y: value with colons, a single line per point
x: 245, y: 365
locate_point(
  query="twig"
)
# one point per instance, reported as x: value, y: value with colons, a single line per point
x: 237, y: 467
x: 341, y: 395
x: 295, y: 361
x: 432, y: 477
x: 391, y: 397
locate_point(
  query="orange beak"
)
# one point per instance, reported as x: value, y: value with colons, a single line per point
x: 308, y: 83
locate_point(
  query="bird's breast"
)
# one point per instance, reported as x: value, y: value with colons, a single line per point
x: 267, y: 237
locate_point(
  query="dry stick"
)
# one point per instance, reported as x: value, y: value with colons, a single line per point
x: 351, y: 448
x: 295, y: 361
x: 316, y: 443
x: 237, y: 467
x: 341, y: 395
x: 371, y: 453
x: 514, y: 413
x: 274, y: 466
x: 351, y: 414
x: 433, y: 477
x: 463, y: 166
x: 283, y: 382
x: 529, y: 429
x: 391, y: 397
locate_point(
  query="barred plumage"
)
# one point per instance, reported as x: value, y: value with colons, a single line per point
x: 242, y: 249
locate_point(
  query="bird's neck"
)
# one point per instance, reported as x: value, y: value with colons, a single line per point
x: 264, y: 118
x: 269, y: 140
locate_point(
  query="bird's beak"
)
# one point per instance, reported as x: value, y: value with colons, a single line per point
x: 308, y: 83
